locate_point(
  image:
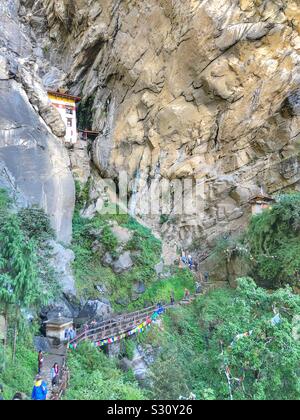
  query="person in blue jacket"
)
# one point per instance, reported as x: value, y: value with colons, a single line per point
x: 39, y: 392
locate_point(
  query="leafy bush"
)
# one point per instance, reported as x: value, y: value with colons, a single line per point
x: 273, y: 243
x: 192, y: 339
x: 18, y: 376
x: 109, y: 240
x: 94, y: 376
x: 129, y: 348
x: 36, y: 224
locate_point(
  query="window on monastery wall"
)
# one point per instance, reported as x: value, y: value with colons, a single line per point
x: 69, y: 111
x: 69, y: 122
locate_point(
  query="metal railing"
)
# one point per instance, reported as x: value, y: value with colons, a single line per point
x: 117, y: 324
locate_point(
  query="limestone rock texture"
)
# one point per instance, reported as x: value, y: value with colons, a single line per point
x: 202, y: 90
x: 34, y: 165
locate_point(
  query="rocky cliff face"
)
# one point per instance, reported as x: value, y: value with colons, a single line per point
x: 206, y: 90
x: 34, y: 165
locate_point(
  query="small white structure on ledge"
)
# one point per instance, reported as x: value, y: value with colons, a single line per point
x: 260, y: 203
x: 56, y: 327
x: 66, y: 106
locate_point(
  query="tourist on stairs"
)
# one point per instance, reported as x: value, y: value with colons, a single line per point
x: 40, y: 362
x: 198, y: 288
x: 55, y: 375
x: 187, y: 294
x: 39, y: 392
x: 190, y: 262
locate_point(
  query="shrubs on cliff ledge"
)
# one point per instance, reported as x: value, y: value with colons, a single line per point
x: 97, y: 377
x: 273, y: 240
x: 197, y: 343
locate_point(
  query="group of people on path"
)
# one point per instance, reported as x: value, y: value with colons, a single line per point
x: 187, y: 260
x: 70, y: 334
x: 187, y: 293
x: 40, y: 389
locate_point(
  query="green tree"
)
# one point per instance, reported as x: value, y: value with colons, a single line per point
x: 273, y: 243
x: 261, y: 357
x: 19, y: 285
x: 229, y: 331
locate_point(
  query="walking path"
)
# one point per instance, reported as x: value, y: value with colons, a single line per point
x: 118, y: 325
x: 57, y: 355
x: 121, y: 325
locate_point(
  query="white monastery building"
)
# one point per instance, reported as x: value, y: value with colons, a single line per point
x: 66, y: 105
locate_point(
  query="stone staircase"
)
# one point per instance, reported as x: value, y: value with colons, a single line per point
x: 56, y: 354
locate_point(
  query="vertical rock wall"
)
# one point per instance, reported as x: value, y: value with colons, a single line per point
x: 34, y: 164
x: 207, y: 90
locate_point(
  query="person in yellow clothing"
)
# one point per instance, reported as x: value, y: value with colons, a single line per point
x: 39, y: 392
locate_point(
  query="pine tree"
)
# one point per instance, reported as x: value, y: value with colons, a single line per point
x: 19, y: 285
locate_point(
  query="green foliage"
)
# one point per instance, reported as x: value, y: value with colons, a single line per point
x: 89, y: 270
x: 82, y: 194
x: 267, y: 360
x: 274, y: 245
x: 160, y: 291
x: 129, y: 348
x: 4, y: 200
x: 35, y: 224
x: 168, y: 378
x: 18, y: 377
x: 94, y: 376
x: 108, y: 240
x: 26, y: 280
x: 18, y: 266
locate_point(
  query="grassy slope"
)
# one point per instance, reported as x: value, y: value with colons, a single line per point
x: 19, y: 376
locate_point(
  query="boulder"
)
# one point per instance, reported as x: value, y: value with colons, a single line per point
x: 62, y: 259
x: 123, y: 263
x: 95, y: 309
x: 41, y: 344
x: 142, y: 358
x: 63, y: 307
x: 122, y: 234
x: 139, y: 287
x: 107, y: 260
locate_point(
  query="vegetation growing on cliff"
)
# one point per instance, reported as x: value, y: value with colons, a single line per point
x: 273, y: 239
x: 94, y: 376
x: 269, y: 249
x: 198, y: 343
x: 93, y: 238
x: 27, y: 282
